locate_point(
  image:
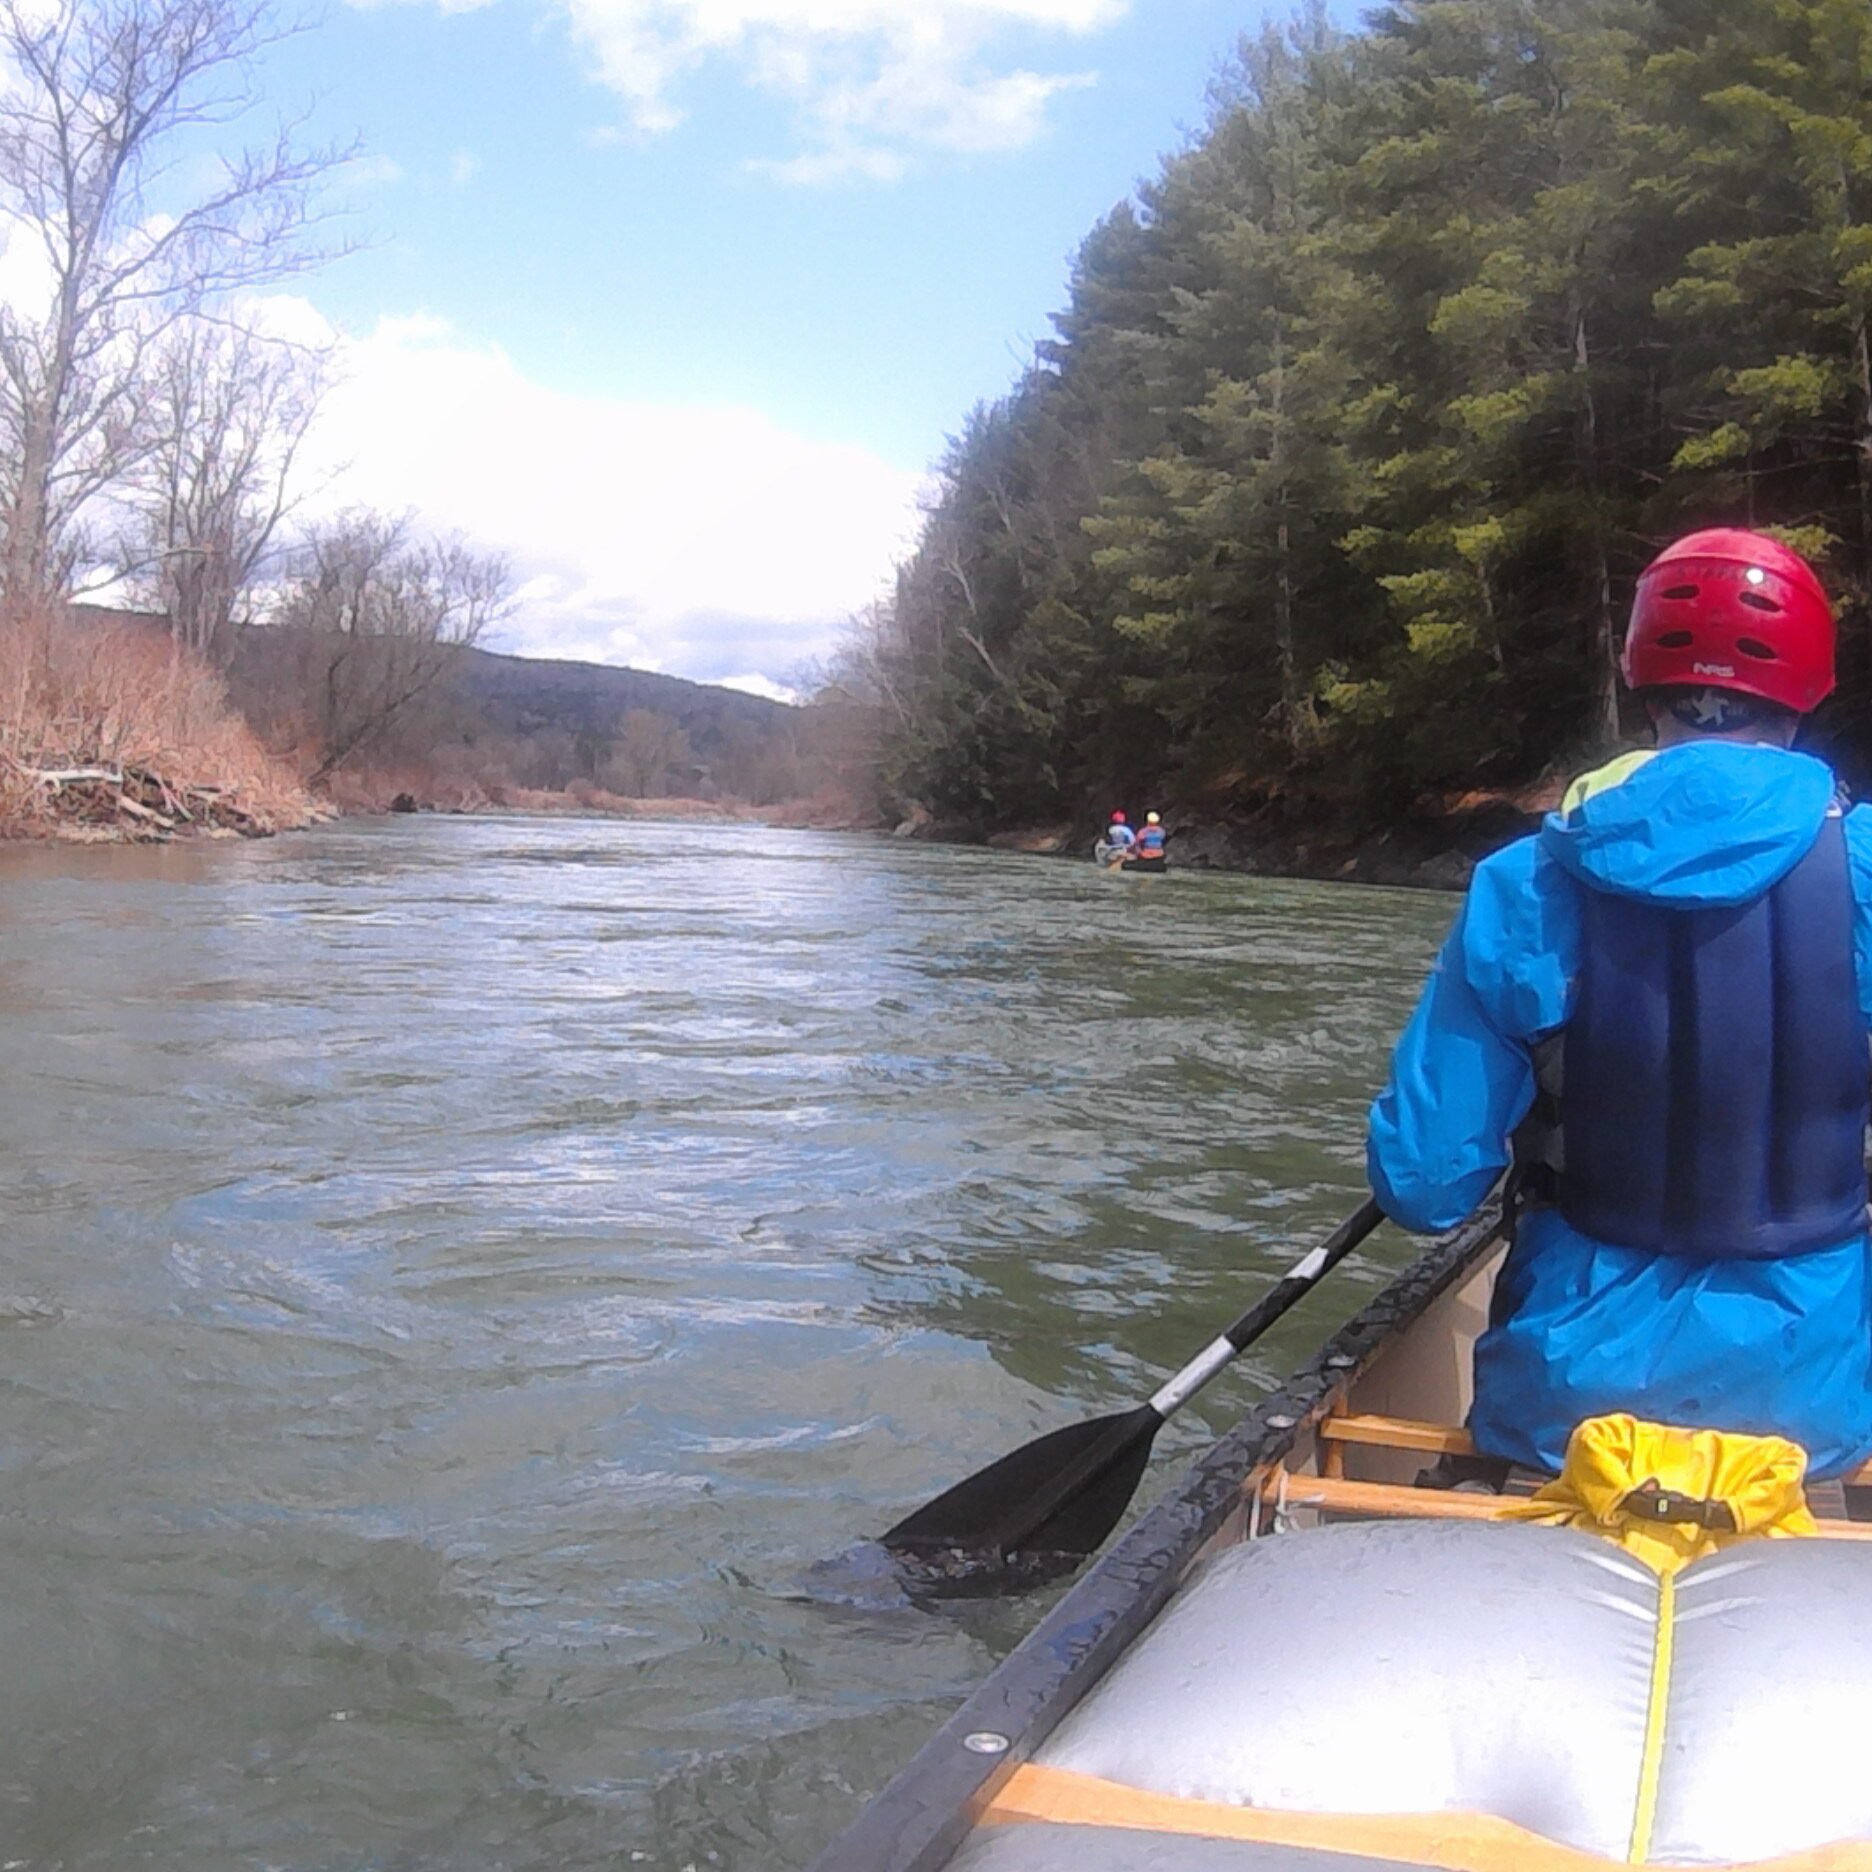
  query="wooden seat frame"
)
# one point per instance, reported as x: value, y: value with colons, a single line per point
x: 1332, y: 1491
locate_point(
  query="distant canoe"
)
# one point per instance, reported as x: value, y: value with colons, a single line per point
x: 1103, y: 854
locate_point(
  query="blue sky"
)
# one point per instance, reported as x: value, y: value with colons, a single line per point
x: 675, y: 300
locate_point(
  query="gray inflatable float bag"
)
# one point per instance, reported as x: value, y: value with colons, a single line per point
x: 1449, y: 1666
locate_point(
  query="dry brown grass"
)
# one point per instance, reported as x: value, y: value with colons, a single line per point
x: 90, y: 694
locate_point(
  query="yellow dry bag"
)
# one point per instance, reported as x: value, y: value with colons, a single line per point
x: 1668, y: 1495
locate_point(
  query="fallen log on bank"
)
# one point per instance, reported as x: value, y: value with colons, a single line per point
x: 58, y: 776
x: 140, y: 803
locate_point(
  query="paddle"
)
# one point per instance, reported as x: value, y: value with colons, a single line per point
x: 1061, y: 1494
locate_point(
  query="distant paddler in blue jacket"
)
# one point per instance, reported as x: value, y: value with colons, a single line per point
x: 1668, y: 991
x: 1117, y: 842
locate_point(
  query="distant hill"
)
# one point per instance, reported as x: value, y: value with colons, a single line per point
x: 526, y: 696
x: 517, y: 695
x: 488, y: 724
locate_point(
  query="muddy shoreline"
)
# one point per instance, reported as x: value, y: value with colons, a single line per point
x: 1437, y: 853
x: 103, y: 811
x: 1427, y: 854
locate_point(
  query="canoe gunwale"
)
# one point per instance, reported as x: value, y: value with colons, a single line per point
x: 921, y: 1817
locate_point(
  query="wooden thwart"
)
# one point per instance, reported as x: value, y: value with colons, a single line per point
x: 1335, y: 1495
x: 1399, y: 1433
x: 1448, y: 1439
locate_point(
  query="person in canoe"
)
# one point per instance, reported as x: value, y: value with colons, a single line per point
x: 1150, y: 841
x: 1667, y: 992
x: 1116, y: 842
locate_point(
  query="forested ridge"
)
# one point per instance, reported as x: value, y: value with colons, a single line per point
x: 1326, y: 500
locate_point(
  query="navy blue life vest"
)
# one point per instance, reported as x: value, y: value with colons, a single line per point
x: 1714, y: 1098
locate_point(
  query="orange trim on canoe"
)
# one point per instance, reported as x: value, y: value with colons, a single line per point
x: 1446, y: 1842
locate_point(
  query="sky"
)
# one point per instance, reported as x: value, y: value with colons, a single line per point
x: 675, y: 301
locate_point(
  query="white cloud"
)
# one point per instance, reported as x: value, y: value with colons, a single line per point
x: 464, y: 166
x: 871, y: 82
x: 707, y: 542
x: 28, y: 282
x: 760, y: 686
x: 368, y: 172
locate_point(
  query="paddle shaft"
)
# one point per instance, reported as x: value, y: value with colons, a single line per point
x: 1142, y: 1425
x: 1299, y: 1281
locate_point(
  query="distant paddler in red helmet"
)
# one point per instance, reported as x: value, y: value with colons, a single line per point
x: 1667, y: 994
x: 1115, y: 842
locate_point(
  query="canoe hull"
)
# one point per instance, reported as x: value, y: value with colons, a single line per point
x: 1742, y: 1743
x: 922, y: 1817
x: 1103, y: 854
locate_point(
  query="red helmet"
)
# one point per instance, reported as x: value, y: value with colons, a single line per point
x: 1727, y: 609
x: 1118, y: 818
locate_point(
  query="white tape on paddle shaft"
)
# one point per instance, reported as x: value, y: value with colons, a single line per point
x: 1312, y: 1267
x: 1193, y: 1376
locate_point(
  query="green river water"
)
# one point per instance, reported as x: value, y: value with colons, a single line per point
x: 456, y: 1275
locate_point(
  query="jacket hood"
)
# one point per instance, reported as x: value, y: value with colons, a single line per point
x: 1706, y: 823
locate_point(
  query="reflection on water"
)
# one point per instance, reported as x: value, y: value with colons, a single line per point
x: 456, y: 1275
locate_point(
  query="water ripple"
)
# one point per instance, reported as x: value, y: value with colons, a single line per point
x: 475, y: 1268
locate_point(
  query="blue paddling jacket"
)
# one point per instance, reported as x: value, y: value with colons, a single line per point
x: 1694, y: 945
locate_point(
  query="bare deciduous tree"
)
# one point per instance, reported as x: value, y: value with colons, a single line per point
x: 101, y: 100
x: 375, y: 617
x: 650, y: 755
x: 871, y: 666
x: 757, y: 764
x: 230, y: 410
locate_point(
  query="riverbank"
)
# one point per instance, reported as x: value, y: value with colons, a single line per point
x: 115, y: 734
x: 1435, y: 849
x: 132, y: 804
x: 408, y: 790
x: 133, y: 807
x: 216, y: 781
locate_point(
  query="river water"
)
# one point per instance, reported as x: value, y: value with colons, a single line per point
x: 457, y: 1275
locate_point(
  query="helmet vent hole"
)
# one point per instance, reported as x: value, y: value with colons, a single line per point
x: 1675, y: 640
x: 1754, y: 647
x: 1760, y: 601
x: 1679, y: 591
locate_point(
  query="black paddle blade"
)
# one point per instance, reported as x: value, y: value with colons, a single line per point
x: 1060, y: 1495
